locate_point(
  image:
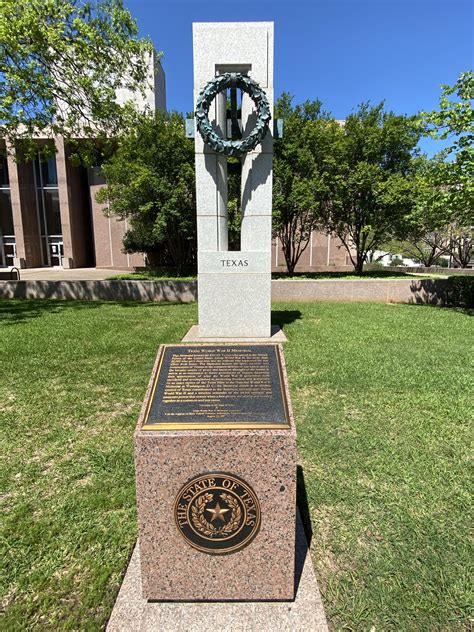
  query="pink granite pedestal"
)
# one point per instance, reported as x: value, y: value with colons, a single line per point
x: 265, y: 459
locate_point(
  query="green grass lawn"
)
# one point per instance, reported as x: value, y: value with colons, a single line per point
x: 383, y: 400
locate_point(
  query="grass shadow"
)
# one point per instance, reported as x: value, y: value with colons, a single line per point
x: 285, y: 316
x: 16, y: 311
x: 465, y: 311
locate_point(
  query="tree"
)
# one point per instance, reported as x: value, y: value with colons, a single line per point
x: 424, y: 227
x: 371, y: 190
x: 454, y: 123
x: 303, y: 163
x: 61, y: 62
x: 427, y: 248
x: 461, y: 245
x: 150, y: 181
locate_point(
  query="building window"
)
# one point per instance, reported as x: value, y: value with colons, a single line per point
x: 49, y: 214
x: 7, y: 233
x: 45, y: 171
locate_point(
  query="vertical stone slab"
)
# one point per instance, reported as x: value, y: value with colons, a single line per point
x: 234, y: 287
x: 20, y: 261
x: 64, y: 203
x: 24, y: 211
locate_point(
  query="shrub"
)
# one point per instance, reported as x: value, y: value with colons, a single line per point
x: 461, y: 291
x: 397, y: 261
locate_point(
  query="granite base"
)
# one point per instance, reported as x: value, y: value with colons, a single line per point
x: 265, y: 459
x: 277, y: 335
x: 132, y: 612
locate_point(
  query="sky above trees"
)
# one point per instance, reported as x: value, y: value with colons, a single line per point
x: 343, y: 52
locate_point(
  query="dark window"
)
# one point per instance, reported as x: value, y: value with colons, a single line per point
x: 52, y: 212
x: 46, y: 174
x: 6, y: 217
x: 4, y: 179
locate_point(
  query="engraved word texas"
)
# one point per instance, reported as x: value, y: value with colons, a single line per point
x: 234, y: 263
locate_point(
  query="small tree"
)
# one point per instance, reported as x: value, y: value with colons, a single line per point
x: 150, y: 181
x: 461, y: 245
x: 427, y: 248
x: 454, y: 122
x: 424, y: 229
x: 303, y: 162
x: 371, y: 190
x: 61, y: 62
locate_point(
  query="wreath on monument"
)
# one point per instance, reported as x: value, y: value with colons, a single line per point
x: 234, y: 148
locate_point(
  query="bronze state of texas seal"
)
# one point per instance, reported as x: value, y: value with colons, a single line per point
x: 217, y: 513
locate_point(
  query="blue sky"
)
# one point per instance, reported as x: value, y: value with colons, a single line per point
x: 343, y: 52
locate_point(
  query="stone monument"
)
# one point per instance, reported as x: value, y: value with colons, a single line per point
x: 215, y: 444
x: 234, y: 287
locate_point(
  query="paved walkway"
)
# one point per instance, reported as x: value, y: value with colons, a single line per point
x: 60, y: 274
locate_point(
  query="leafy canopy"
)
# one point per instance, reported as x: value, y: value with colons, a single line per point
x: 371, y: 189
x: 61, y: 62
x: 150, y: 181
x: 454, y: 122
x: 303, y: 165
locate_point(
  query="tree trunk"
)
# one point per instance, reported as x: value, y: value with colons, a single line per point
x: 359, y: 264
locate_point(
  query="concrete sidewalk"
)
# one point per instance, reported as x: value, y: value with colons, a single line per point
x: 75, y: 274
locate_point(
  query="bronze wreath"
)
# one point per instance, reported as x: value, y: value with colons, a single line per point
x: 235, y: 148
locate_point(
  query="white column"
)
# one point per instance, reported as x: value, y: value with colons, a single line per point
x: 234, y: 287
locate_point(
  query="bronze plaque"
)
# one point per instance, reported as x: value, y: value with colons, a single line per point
x: 218, y: 386
x: 217, y: 513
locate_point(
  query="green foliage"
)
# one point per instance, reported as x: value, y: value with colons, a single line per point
x: 454, y: 122
x: 370, y: 191
x: 437, y: 222
x: 303, y: 165
x: 397, y: 261
x: 461, y: 291
x: 423, y: 230
x: 61, y: 62
x: 150, y: 181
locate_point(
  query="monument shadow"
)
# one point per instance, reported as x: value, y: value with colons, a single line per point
x: 285, y: 316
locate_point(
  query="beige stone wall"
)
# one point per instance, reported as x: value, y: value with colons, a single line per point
x: 108, y: 236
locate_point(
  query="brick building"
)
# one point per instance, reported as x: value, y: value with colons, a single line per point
x: 49, y: 216
x: 48, y: 212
